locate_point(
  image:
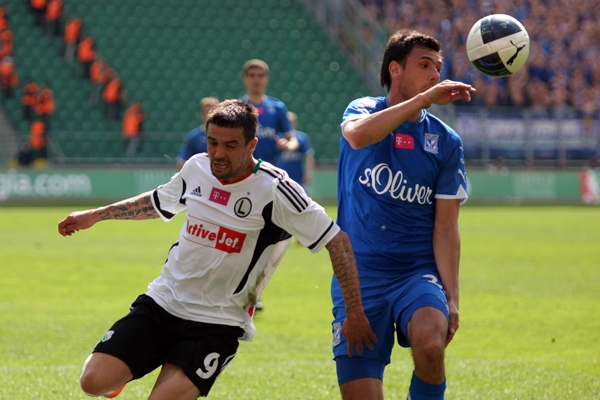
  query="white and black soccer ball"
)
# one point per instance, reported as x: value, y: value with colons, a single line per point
x: 498, y: 45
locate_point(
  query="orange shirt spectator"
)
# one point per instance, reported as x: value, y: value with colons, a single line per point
x: 39, y: 9
x: 113, y: 98
x: 30, y: 93
x: 37, y: 135
x: 53, y: 14
x: 71, y: 37
x: 45, y: 106
x: 4, y: 24
x: 86, y: 54
x: 9, y: 79
x: 6, y: 43
x: 133, y: 119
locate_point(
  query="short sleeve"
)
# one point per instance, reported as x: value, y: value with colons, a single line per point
x: 452, y: 181
x: 299, y: 215
x: 168, y: 199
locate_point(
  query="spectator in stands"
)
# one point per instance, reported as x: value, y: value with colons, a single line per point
x: 6, y: 43
x: 98, y: 77
x: 38, y: 139
x: 133, y: 129
x: 53, y: 17
x: 275, y: 132
x: 300, y: 163
x: 113, y: 96
x: 39, y: 10
x: 44, y: 106
x: 561, y: 38
x: 9, y: 79
x: 29, y: 98
x: 71, y: 37
x: 25, y: 155
x: 4, y: 23
x: 86, y: 53
x: 195, y: 140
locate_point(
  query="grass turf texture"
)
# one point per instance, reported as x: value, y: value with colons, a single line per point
x: 530, y: 302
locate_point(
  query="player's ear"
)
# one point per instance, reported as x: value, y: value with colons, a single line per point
x: 395, y: 69
x: 252, y: 144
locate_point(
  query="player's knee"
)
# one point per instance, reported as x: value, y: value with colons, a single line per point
x: 431, y: 346
x: 90, y: 385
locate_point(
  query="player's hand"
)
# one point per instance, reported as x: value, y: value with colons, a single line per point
x: 281, y: 143
x: 446, y: 92
x: 76, y: 221
x: 357, y: 330
x: 453, y: 324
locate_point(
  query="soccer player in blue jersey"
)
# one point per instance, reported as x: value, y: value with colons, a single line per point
x: 300, y: 163
x: 275, y: 132
x: 195, y: 140
x: 401, y: 180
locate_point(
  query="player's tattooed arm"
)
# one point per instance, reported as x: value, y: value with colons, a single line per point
x: 356, y: 328
x: 138, y: 208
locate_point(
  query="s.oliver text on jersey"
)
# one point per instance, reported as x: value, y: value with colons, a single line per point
x: 383, y: 180
x: 210, y: 235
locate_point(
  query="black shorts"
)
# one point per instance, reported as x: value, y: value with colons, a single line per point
x: 149, y: 336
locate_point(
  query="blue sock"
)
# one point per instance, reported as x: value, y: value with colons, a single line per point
x: 421, y: 390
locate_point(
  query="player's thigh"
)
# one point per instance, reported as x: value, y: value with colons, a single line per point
x: 423, y: 291
x: 173, y: 383
x: 204, y: 352
x: 379, y: 311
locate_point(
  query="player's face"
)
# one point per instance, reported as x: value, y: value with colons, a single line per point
x: 422, y: 71
x: 204, y: 112
x: 230, y: 157
x: 256, y: 81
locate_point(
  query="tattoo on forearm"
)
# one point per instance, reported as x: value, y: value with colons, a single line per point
x: 138, y: 208
x: 344, y: 266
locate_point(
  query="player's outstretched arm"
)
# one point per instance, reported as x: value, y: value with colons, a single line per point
x: 356, y: 328
x: 138, y: 208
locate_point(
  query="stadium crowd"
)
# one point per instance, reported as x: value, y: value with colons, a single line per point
x: 561, y: 70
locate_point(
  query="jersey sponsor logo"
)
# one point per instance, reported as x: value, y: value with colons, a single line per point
x: 197, y: 192
x: 383, y: 180
x: 431, y: 143
x: 402, y: 141
x: 265, y: 132
x: 210, y: 235
x: 219, y: 196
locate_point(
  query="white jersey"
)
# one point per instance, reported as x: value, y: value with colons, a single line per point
x: 232, y: 240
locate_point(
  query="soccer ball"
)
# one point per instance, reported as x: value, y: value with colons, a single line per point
x: 498, y: 45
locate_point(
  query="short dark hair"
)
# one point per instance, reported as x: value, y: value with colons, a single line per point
x: 235, y: 114
x: 398, y: 48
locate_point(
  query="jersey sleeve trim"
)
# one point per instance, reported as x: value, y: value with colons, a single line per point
x: 164, y: 214
x: 315, y: 244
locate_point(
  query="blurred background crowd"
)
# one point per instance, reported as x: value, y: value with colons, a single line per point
x: 561, y: 71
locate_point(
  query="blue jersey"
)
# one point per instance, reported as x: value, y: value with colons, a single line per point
x: 195, y: 142
x: 293, y: 161
x: 272, y: 121
x: 387, y: 190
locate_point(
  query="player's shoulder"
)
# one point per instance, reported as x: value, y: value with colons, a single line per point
x: 369, y: 103
x: 275, y: 102
x: 440, y: 127
x: 195, y: 132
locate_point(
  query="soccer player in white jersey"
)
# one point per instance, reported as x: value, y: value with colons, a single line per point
x: 401, y: 179
x: 240, y: 215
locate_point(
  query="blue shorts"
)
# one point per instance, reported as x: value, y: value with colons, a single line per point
x: 389, y: 305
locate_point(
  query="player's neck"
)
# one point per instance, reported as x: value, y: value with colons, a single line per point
x: 256, y: 98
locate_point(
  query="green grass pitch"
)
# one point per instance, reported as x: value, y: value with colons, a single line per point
x: 530, y: 308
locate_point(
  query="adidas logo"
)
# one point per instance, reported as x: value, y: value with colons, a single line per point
x: 197, y: 192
